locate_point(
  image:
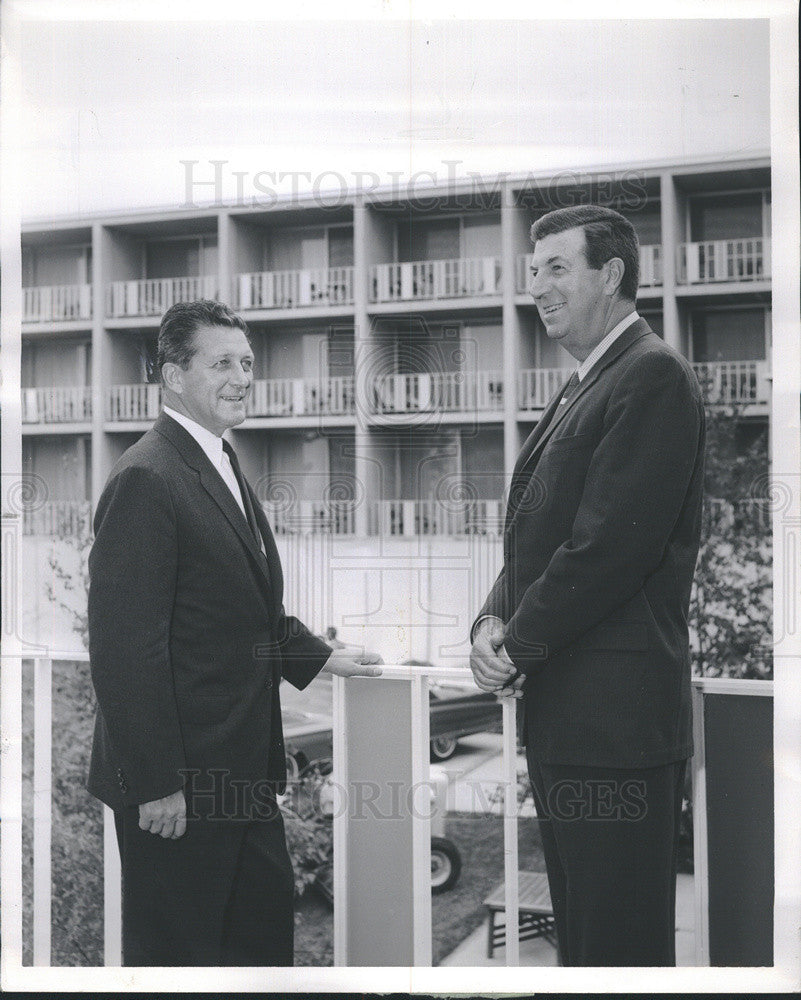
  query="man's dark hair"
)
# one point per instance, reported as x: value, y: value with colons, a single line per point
x: 607, y: 234
x: 179, y: 324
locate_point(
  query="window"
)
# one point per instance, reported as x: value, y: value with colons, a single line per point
x: 729, y: 335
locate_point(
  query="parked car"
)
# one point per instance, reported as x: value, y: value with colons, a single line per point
x: 455, y: 711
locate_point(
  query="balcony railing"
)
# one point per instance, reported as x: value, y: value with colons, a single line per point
x: 724, y: 260
x: 449, y: 392
x: 433, y: 517
x: 536, y: 386
x: 133, y: 402
x: 54, y: 303
x: 153, y: 296
x: 61, y: 404
x: 58, y: 518
x: 308, y: 517
x: 324, y: 286
x: 435, y: 279
x: 650, y: 268
x: 295, y: 397
x: 734, y: 382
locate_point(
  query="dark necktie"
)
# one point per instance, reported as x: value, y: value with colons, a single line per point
x: 249, y: 512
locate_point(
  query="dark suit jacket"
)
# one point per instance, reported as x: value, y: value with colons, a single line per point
x: 600, y: 544
x: 188, y: 638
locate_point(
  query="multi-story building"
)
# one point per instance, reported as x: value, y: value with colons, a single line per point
x: 400, y: 360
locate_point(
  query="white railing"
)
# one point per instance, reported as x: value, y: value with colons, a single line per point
x: 323, y: 286
x: 141, y: 401
x: 60, y: 404
x: 734, y: 382
x: 154, y: 296
x: 724, y: 260
x: 289, y: 397
x: 52, y: 303
x: 650, y: 268
x: 463, y: 277
x: 460, y: 392
x: 308, y: 517
x: 433, y: 517
x: 58, y: 518
x: 536, y: 386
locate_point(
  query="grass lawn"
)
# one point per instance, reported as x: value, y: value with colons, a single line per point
x: 455, y: 913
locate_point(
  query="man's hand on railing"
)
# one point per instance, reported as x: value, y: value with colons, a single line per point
x: 492, y: 667
x: 166, y: 817
x: 345, y: 664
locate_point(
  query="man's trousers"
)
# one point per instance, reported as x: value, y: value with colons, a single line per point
x: 610, y: 838
x: 221, y: 895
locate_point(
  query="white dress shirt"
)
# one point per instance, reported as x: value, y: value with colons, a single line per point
x: 212, y: 446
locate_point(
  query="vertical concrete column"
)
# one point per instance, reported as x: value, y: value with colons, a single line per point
x: 361, y: 345
x: 510, y: 224
x: 224, y: 258
x: 672, y: 235
x: 102, y: 366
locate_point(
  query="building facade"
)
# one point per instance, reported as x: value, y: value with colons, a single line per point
x: 400, y: 361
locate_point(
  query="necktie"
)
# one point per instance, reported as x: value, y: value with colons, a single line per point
x: 570, y: 388
x: 246, y: 501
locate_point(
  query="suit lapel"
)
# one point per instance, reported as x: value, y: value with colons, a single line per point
x: 637, y: 330
x: 212, y: 482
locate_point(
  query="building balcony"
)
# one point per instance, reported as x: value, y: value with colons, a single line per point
x: 439, y: 392
x: 297, y: 397
x: 427, y: 280
x: 650, y: 268
x: 133, y: 402
x: 734, y: 382
x: 70, y: 404
x: 58, y: 519
x: 56, y: 303
x: 536, y: 386
x: 415, y: 518
x: 719, y: 261
x: 325, y: 286
x: 309, y: 517
x: 154, y: 296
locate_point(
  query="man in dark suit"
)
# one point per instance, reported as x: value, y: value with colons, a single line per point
x: 587, y: 621
x: 188, y: 642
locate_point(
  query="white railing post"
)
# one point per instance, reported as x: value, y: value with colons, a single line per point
x: 112, y: 892
x: 510, y: 854
x: 42, y: 810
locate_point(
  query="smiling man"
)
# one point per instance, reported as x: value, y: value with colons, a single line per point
x: 587, y: 621
x: 188, y: 642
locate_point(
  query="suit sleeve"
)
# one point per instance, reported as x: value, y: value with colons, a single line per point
x: 494, y: 606
x: 132, y: 572
x: 303, y: 655
x: 633, y: 494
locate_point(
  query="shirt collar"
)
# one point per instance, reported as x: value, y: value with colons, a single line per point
x: 605, y: 344
x: 210, y: 443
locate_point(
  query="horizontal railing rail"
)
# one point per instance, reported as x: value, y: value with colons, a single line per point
x: 449, y: 392
x: 61, y: 404
x: 433, y: 517
x: 734, y: 381
x: 141, y: 401
x: 56, y: 303
x: 712, y: 261
x: 322, y: 286
x: 537, y: 386
x: 650, y: 268
x: 154, y: 296
x: 463, y: 277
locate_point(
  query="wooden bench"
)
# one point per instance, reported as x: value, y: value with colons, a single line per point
x: 536, y: 912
